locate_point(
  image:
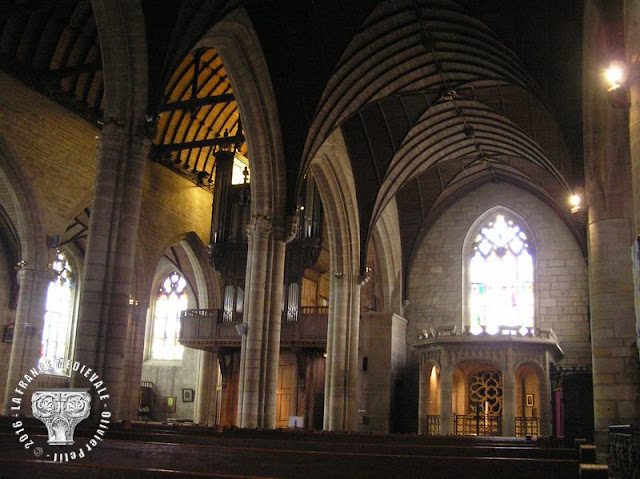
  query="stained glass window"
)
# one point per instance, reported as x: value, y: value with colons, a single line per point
x: 58, y: 316
x: 501, y: 278
x: 172, y: 298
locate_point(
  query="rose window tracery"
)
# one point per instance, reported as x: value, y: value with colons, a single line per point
x: 485, y: 392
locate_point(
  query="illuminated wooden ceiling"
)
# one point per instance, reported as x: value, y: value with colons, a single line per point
x: 53, y: 46
x: 198, y: 114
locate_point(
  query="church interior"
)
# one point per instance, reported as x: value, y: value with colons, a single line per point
x: 385, y: 218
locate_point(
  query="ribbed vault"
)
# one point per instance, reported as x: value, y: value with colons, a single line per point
x: 427, y: 96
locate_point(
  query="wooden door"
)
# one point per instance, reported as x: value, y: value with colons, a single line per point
x: 285, y: 405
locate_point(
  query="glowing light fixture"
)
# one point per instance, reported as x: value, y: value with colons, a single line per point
x: 615, y: 75
x: 576, y: 203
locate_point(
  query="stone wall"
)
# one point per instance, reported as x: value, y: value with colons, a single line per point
x: 54, y: 149
x: 435, y: 279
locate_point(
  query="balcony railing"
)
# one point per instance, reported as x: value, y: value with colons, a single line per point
x: 527, y: 426
x: 474, y: 425
x: 209, y: 328
x: 308, y: 327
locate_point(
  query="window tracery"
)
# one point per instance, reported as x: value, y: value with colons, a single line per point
x: 171, y: 299
x: 501, y: 278
x: 58, y: 317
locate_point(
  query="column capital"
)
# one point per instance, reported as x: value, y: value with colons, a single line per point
x: 116, y: 132
x: 289, y: 230
x: 260, y: 227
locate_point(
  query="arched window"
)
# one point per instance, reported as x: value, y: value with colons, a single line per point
x: 501, y: 278
x: 58, y: 316
x: 172, y: 298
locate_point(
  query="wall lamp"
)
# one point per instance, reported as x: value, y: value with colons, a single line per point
x: 616, y: 77
x: 578, y: 207
x: 575, y: 201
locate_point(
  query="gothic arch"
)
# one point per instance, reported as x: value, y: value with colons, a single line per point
x: 386, y: 239
x: 121, y: 29
x: 237, y: 42
x: 336, y: 185
x: 23, y: 211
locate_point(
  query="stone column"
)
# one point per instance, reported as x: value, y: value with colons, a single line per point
x: 135, y: 355
x: 261, y: 343
x: 508, y: 402
x: 27, y: 335
x: 422, y: 397
x: 340, y: 403
x: 275, y: 322
x: 352, y: 357
x: 205, y: 389
x: 544, y: 403
x: 446, y: 391
x: 616, y: 379
x: 634, y: 142
x: 632, y: 32
x: 105, y: 309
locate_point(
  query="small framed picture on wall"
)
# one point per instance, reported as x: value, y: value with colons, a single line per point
x: 187, y: 395
x: 529, y: 400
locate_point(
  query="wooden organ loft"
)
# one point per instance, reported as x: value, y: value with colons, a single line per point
x: 300, y: 391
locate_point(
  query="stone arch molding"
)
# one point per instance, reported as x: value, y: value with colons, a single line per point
x: 469, y: 239
x: 535, y: 365
x: 386, y: 239
x: 336, y: 185
x: 237, y: 42
x: 203, y: 283
x: 23, y: 211
x: 198, y: 283
x: 121, y: 29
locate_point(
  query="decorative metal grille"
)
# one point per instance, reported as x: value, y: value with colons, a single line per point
x: 476, y: 425
x: 527, y: 426
x: 624, y: 454
x: 485, y: 392
x: 433, y: 425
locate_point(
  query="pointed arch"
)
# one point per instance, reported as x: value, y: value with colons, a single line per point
x: 336, y: 185
x: 237, y: 42
x: 388, y: 248
x: 23, y: 211
x: 121, y: 29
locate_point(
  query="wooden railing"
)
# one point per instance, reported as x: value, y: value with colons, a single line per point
x: 207, y: 327
x: 309, y: 326
x: 527, y: 426
x: 624, y: 452
x: 314, y: 311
